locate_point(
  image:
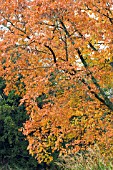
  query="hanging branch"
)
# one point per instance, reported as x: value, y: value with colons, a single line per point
x: 107, y: 102
x: 50, y: 49
x: 66, y: 48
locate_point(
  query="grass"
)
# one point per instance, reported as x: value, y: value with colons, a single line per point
x: 93, y: 160
x: 8, y: 167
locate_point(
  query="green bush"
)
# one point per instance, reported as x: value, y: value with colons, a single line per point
x: 13, y: 146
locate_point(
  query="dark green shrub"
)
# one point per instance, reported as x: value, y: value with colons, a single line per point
x: 13, y: 146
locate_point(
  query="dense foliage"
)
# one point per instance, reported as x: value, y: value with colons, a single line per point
x: 60, y: 52
x: 13, y: 146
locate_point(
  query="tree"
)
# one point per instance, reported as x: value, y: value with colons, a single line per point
x: 62, y: 50
x: 13, y: 146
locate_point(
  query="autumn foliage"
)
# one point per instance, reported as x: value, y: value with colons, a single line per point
x: 58, y: 53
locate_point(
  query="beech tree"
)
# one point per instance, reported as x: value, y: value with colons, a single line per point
x: 60, y: 51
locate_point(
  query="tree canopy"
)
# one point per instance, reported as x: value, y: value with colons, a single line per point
x: 58, y: 54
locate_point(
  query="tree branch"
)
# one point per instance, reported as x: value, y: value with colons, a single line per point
x: 50, y: 49
x: 94, y: 93
x: 107, y: 102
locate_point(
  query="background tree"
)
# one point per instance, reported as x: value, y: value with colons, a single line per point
x: 13, y: 146
x: 61, y: 49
